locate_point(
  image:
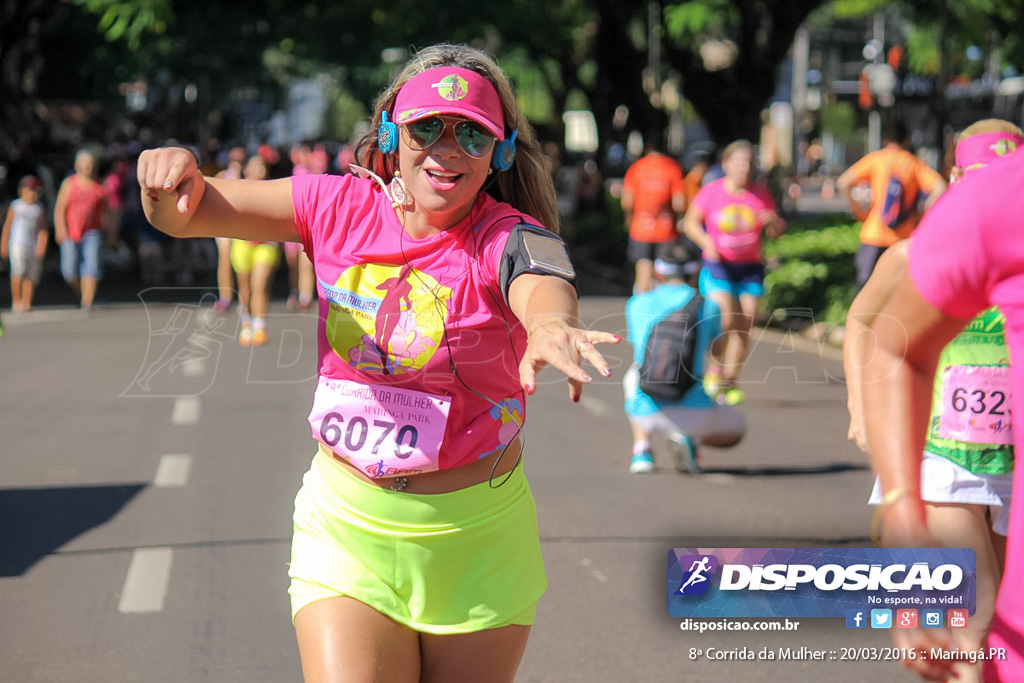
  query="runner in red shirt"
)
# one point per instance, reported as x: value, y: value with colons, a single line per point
x: 653, y: 198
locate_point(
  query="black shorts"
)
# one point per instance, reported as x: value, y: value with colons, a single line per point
x: 641, y: 250
x: 867, y: 257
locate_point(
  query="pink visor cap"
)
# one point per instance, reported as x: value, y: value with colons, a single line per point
x: 985, y: 148
x: 451, y: 90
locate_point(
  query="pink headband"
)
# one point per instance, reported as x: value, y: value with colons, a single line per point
x: 984, y: 148
x: 451, y: 90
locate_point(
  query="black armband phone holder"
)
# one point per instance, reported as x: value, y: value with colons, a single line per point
x: 533, y: 249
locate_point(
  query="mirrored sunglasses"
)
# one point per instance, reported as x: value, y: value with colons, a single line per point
x: 472, y: 138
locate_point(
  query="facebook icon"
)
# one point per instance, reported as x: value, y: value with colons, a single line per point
x: 856, y: 618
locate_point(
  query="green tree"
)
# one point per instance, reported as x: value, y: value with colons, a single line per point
x: 728, y: 53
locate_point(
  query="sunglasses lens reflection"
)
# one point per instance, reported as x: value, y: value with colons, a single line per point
x: 471, y: 138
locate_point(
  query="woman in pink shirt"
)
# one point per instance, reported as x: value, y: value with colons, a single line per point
x: 966, y: 255
x: 415, y: 553
x: 726, y: 220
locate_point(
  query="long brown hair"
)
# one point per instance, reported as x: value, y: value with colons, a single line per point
x: 527, y: 185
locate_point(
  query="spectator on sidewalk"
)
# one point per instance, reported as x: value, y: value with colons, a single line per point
x: 23, y: 241
x: 81, y: 227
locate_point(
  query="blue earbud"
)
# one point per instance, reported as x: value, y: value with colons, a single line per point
x: 387, y: 134
x: 504, y: 153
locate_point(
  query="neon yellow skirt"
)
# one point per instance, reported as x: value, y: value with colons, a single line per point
x: 442, y: 563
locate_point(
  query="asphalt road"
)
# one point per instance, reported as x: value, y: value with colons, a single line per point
x: 148, y: 465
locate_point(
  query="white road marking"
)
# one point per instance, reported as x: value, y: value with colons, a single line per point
x: 145, y: 586
x: 173, y: 470
x: 186, y: 410
x: 596, y: 573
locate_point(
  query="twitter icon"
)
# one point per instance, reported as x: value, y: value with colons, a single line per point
x: 881, y: 618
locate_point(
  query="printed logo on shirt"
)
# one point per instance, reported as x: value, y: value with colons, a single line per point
x: 737, y: 219
x: 385, y: 318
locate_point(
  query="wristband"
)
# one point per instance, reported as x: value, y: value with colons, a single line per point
x: 894, y: 495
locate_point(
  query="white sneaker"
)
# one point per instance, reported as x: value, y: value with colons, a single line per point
x: 685, y: 453
x: 642, y: 463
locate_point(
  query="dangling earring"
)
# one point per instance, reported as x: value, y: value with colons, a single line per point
x: 396, y: 188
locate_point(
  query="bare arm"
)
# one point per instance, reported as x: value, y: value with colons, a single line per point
x: 547, y: 307
x: 844, y: 182
x: 844, y: 185
x: 934, y: 195
x: 693, y: 227
x: 897, y: 399
x: 897, y: 392
x: 182, y: 202
x: 858, y: 341
x: 773, y: 223
x: 5, y: 235
x: 679, y: 203
x: 60, y: 208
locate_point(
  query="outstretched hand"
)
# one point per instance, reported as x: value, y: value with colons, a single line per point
x: 564, y: 348
x: 171, y: 173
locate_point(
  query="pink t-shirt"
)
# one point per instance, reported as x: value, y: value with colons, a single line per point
x: 397, y: 311
x: 968, y: 254
x: 733, y: 221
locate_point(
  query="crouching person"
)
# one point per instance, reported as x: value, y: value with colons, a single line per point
x: 671, y: 329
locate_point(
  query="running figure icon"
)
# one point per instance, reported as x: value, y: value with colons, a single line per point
x: 697, y: 571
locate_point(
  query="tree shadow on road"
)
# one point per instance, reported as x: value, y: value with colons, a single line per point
x: 36, y: 522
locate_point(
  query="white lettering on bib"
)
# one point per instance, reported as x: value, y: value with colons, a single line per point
x: 976, y: 405
x: 385, y: 431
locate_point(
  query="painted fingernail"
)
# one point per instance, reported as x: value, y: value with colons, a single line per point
x: 587, y: 378
x: 168, y: 185
x: 617, y: 338
x: 607, y: 372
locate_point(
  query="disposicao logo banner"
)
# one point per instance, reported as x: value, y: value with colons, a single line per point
x: 817, y: 582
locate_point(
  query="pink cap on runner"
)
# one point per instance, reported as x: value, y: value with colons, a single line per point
x: 451, y: 90
x: 984, y: 148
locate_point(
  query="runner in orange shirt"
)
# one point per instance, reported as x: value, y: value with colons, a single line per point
x: 897, y: 179
x: 653, y: 199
